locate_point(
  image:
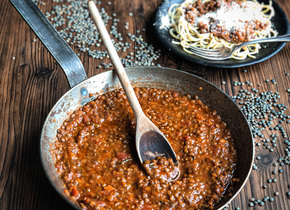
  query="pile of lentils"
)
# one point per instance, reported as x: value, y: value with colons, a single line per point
x: 267, y: 119
x: 72, y: 20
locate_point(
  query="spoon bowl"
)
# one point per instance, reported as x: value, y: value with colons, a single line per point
x: 151, y: 142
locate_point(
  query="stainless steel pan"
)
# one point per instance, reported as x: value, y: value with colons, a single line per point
x: 155, y: 77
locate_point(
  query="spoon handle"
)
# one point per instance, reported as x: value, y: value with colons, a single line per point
x: 116, y: 60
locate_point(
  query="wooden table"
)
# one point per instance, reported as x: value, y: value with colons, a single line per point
x: 31, y: 82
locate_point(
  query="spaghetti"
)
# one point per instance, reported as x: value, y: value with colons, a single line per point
x: 214, y: 24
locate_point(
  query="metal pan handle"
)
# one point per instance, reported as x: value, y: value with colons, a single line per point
x: 58, y: 48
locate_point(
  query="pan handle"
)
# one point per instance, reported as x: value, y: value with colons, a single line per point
x: 58, y: 48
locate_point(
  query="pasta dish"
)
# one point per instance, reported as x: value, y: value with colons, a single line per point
x: 215, y: 24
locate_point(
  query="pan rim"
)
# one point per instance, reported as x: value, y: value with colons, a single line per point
x: 75, y: 204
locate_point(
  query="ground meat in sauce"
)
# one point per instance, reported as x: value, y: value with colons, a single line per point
x: 162, y: 168
x: 236, y: 35
x: 95, y: 158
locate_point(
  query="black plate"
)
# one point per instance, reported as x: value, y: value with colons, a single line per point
x: 279, y: 21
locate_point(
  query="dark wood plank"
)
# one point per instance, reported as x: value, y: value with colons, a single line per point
x: 31, y: 82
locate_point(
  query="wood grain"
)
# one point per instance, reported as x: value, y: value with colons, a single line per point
x: 31, y: 82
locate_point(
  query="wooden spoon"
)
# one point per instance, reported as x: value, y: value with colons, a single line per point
x: 150, y: 141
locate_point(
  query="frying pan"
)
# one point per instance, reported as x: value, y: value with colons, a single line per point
x: 154, y: 77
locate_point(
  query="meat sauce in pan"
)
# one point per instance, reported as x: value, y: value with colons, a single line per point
x: 96, y: 158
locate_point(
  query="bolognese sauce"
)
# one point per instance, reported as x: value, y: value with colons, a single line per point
x: 95, y: 155
x: 213, y: 17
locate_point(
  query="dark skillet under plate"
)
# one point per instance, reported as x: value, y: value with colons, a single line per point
x: 279, y: 21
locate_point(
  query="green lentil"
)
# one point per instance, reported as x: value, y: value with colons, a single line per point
x: 261, y: 203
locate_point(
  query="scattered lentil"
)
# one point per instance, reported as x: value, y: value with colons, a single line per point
x: 252, y: 199
x: 71, y: 19
x: 265, y: 199
x: 263, y: 110
x: 261, y: 203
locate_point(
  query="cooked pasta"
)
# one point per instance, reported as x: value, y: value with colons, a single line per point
x: 214, y: 24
